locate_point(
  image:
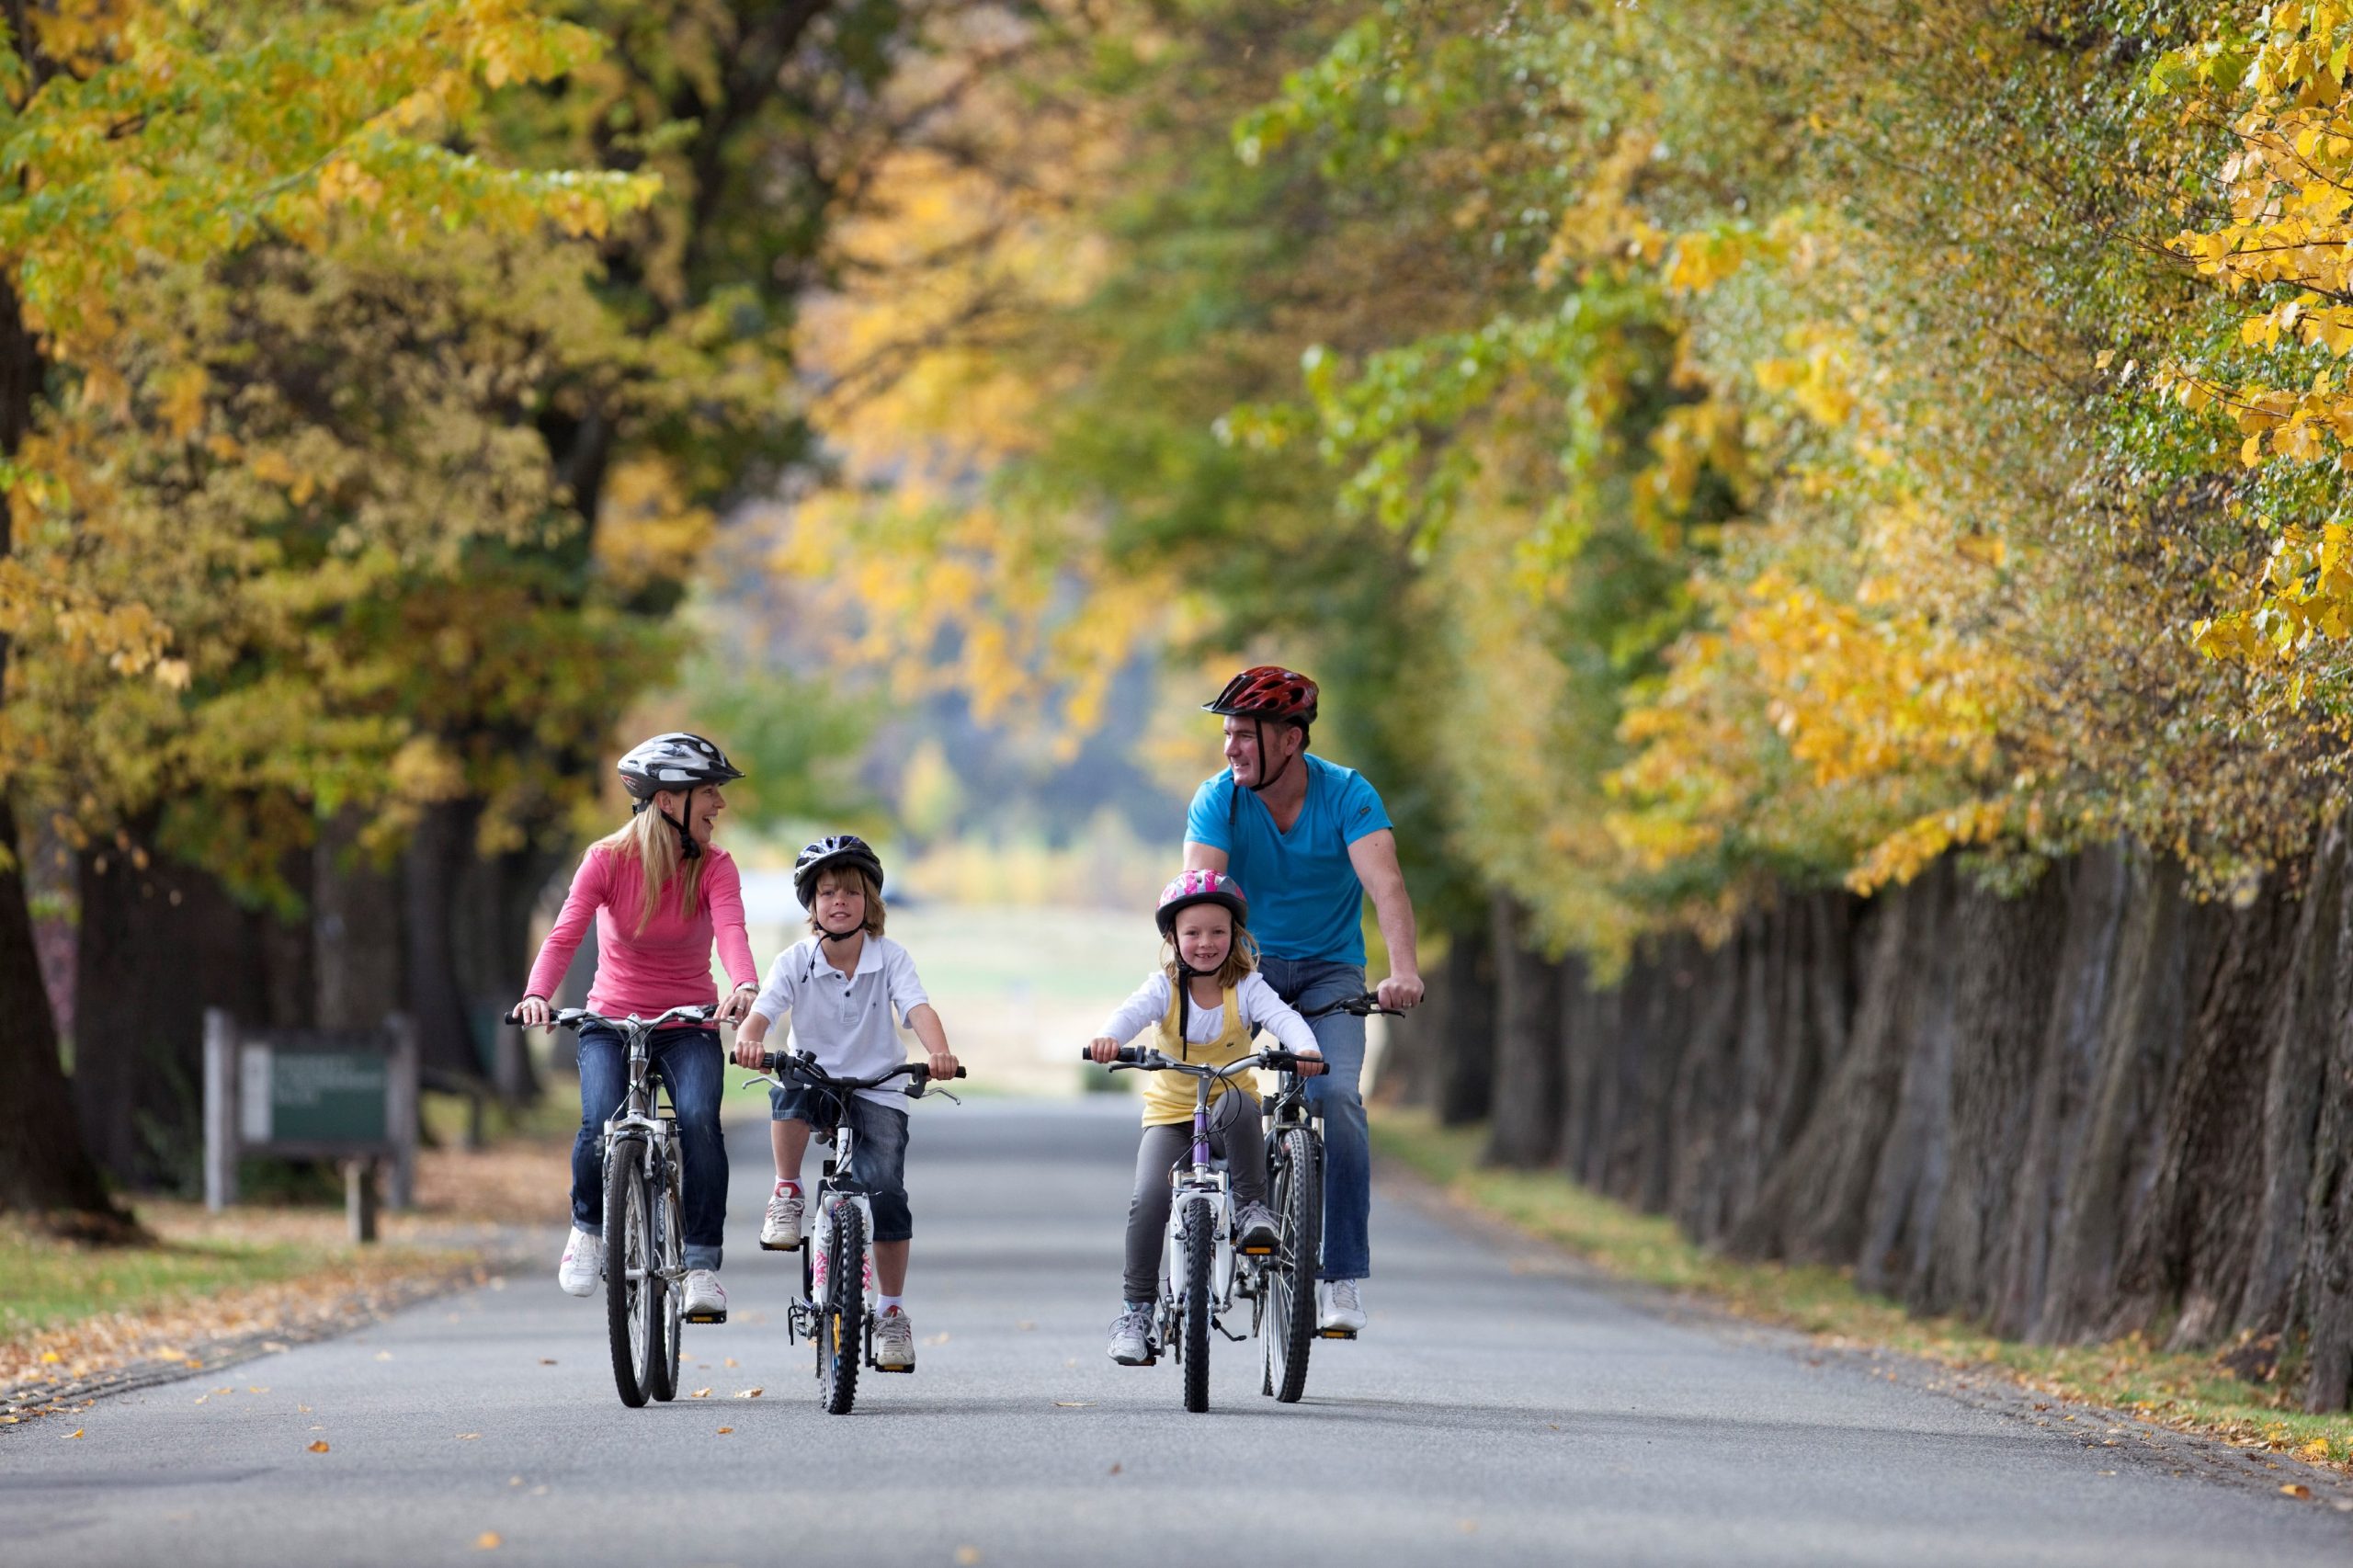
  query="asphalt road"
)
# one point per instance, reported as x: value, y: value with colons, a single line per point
x: 1497, y: 1410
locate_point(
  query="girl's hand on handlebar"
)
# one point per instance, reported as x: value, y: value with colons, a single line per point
x: 1103, y: 1047
x: 1308, y: 1066
x: 533, y: 1013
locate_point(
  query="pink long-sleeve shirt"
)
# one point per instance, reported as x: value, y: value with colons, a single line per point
x: 666, y: 965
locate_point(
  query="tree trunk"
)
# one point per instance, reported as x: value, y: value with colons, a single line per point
x: 1466, y: 1088
x: 433, y: 872
x: 1526, y: 1116
x: 2097, y: 885
x: 356, y: 929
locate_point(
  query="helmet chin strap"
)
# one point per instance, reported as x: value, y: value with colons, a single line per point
x: 827, y: 933
x: 1264, y: 785
x: 688, y: 848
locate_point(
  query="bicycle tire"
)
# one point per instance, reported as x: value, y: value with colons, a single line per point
x: 1290, y: 1277
x: 627, y: 1224
x: 841, y: 1326
x: 665, y: 1321
x: 1200, y: 1252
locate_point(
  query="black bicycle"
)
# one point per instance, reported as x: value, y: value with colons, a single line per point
x: 645, y: 1228
x: 839, y: 1316
x: 1295, y: 1192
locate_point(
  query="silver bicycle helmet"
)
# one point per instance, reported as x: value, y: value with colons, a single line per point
x: 677, y: 760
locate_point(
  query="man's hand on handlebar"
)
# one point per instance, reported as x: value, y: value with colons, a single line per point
x: 1400, y: 991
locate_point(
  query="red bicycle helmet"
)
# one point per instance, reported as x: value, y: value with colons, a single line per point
x: 1267, y: 691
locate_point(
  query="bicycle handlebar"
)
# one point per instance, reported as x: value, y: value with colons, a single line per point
x: 1145, y: 1059
x: 572, y: 1017
x: 799, y: 1064
x: 1363, y: 1006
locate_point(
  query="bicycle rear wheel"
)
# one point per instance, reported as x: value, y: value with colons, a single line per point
x: 1201, y: 1249
x: 629, y: 1268
x: 670, y: 1289
x: 1298, y: 1191
x: 841, y: 1322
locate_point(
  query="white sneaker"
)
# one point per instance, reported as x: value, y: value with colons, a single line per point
x: 1340, y: 1306
x: 705, y: 1303
x: 1255, y: 1229
x: 582, y: 1265
x: 1132, y: 1338
x: 780, y: 1232
x: 894, y: 1342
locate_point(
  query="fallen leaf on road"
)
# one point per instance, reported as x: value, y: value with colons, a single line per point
x: 302, y: 1410
x: 1468, y: 1526
x: 724, y: 1430
x: 547, y: 1361
x: 320, y: 1446
x: 747, y: 1393
x: 230, y: 1390
x: 728, y: 1362
x: 383, y: 1355
x: 940, y: 1338
x: 251, y: 1389
x: 1025, y: 1325
x: 75, y: 1433
x: 2293, y: 1488
x: 514, y: 1480
x: 488, y: 1542
x: 699, y: 1393
x: 468, y: 1436
x: 1073, y: 1404
x: 968, y: 1555
x: 1114, y: 1467
x: 203, y: 1397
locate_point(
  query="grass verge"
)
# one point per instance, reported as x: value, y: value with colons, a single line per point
x: 2188, y: 1391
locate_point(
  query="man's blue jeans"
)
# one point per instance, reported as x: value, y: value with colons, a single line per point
x: 1307, y: 984
x: 689, y: 1061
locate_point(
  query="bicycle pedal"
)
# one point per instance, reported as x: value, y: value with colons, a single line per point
x: 879, y: 1367
x: 779, y: 1246
x: 1336, y: 1333
x: 707, y: 1317
x: 1258, y: 1252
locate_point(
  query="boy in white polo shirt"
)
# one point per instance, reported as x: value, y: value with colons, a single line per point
x: 848, y: 987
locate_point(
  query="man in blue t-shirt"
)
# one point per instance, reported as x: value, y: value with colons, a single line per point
x: 1306, y: 840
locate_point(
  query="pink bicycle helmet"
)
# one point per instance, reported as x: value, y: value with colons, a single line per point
x: 1201, y: 887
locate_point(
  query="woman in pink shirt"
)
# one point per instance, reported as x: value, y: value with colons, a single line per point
x: 660, y: 892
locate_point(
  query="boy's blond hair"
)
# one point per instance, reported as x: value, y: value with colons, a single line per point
x: 874, y: 910
x: 653, y: 845
x: 1241, y: 958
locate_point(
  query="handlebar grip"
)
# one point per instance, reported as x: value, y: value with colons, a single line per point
x: 769, y: 1059
x: 1128, y: 1056
x: 960, y: 1073
x: 513, y: 1018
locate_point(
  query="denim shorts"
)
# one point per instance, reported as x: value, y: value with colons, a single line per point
x: 879, y: 1160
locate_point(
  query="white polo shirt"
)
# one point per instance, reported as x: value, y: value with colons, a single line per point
x: 850, y: 1023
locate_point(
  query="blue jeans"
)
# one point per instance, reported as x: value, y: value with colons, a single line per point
x: 1307, y: 984
x: 880, y: 1159
x: 689, y: 1062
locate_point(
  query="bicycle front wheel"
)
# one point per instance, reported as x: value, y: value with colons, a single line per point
x: 630, y: 1279
x: 669, y: 1286
x: 1201, y: 1249
x: 1298, y: 1192
x: 841, y: 1322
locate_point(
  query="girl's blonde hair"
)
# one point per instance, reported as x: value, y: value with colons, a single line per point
x: 1241, y: 958
x: 874, y: 910
x: 653, y: 845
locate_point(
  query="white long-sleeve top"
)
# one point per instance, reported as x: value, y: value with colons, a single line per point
x: 1261, y: 1008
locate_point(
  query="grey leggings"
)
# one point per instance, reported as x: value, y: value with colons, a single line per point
x: 1233, y: 1132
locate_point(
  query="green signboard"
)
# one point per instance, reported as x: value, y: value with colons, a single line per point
x: 294, y: 1095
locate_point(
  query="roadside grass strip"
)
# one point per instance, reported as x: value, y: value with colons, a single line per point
x: 2187, y: 1392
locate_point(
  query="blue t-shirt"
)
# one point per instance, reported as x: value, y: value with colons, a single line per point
x: 1305, y: 901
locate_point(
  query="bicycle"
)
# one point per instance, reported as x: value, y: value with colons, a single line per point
x: 645, y: 1216
x: 845, y: 1219
x: 1199, y: 1278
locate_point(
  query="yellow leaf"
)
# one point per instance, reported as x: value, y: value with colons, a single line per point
x: 488, y: 1542
x: 73, y: 1434
x: 320, y: 1446
x: 724, y: 1430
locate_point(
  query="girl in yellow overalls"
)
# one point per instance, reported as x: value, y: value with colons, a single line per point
x: 1207, y: 998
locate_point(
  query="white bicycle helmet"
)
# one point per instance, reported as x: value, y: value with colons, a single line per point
x: 675, y: 761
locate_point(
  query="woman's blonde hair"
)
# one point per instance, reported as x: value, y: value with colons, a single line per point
x: 653, y: 845
x: 874, y: 910
x: 1241, y: 958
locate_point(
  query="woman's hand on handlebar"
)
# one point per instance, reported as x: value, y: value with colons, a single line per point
x: 1103, y: 1047
x: 533, y: 1013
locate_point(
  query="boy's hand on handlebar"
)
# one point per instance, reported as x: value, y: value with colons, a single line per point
x: 1103, y: 1047
x: 943, y: 1064
x: 1400, y: 991
x: 751, y: 1044
x: 1308, y: 1066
